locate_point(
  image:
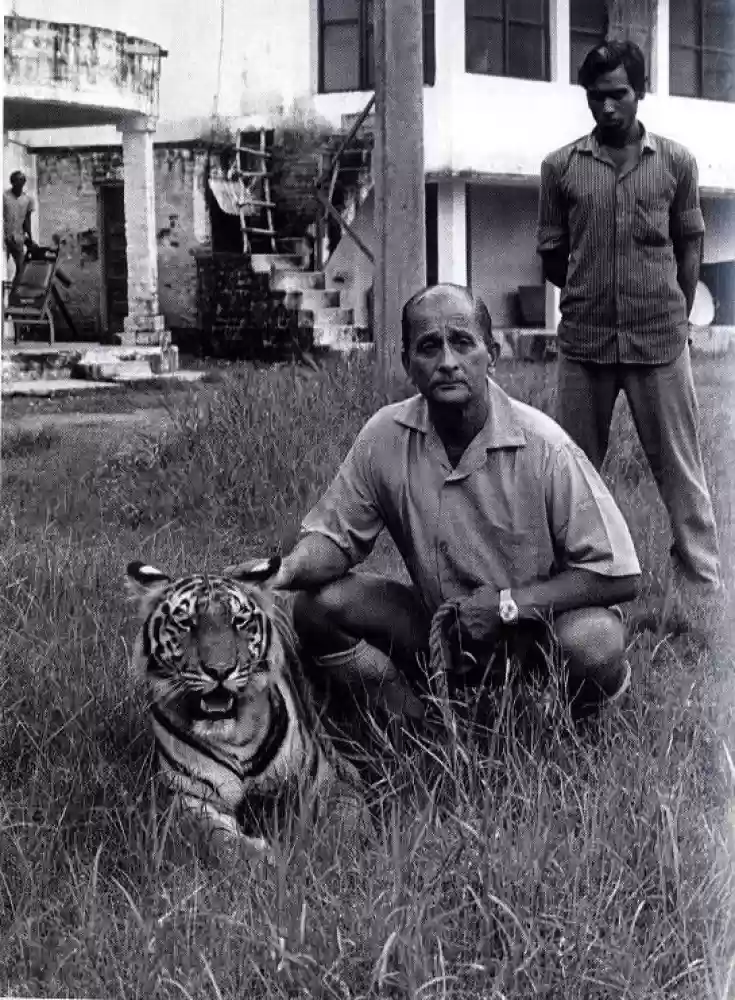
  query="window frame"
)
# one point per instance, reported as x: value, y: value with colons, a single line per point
x: 593, y: 35
x: 508, y: 22
x: 700, y: 49
x: 364, y: 28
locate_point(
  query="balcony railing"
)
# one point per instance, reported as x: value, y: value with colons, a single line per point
x: 81, y: 60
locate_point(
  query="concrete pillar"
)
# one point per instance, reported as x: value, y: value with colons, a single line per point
x: 452, y: 230
x: 449, y: 30
x: 559, y: 54
x: 400, y: 203
x: 552, y: 313
x: 202, y: 226
x: 144, y: 324
x: 659, y: 70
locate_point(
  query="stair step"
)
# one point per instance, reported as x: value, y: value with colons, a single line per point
x: 341, y: 338
x: 297, y: 280
x: 332, y: 316
x: 320, y: 298
x: 264, y: 263
x: 87, y: 361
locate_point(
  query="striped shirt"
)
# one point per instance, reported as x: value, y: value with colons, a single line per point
x: 622, y: 301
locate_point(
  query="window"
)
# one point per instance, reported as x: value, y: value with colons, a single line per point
x: 507, y: 38
x: 346, y: 49
x: 702, y: 49
x: 588, y: 25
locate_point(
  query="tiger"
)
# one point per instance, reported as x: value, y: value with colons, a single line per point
x: 233, y: 720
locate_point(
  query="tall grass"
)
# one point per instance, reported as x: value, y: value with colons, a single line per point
x: 537, y: 861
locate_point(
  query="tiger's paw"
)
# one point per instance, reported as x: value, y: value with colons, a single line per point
x: 232, y: 848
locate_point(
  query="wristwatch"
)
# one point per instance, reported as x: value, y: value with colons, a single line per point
x: 508, y: 609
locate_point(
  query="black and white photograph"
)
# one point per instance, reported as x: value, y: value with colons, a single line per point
x: 367, y: 521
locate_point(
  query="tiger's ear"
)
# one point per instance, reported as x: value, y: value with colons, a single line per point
x: 254, y: 570
x: 144, y: 583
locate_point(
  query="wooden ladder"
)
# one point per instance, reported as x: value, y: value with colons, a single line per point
x: 254, y: 183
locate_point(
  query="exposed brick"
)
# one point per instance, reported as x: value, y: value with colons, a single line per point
x: 67, y: 197
x: 241, y: 317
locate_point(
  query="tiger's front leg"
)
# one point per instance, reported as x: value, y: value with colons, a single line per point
x: 223, y: 831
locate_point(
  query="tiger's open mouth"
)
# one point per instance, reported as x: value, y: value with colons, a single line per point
x: 218, y: 704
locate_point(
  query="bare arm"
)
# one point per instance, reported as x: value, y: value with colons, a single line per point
x: 688, y: 259
x: 573, y: 588
x: 315, y: 561
x: 479, y: 614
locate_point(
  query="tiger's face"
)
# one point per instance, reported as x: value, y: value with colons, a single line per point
x: 207, y: 643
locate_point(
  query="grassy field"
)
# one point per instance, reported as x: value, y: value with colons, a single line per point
x: 543, y: 862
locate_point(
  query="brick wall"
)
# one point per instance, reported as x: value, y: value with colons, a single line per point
x: 175, y: 235
x: 240, y: 316
x: 67, y: 202
x: 67, y: 214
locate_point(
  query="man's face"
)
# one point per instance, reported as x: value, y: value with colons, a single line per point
x: 613, y: 102
x: 17, y: 184
x: 448, y: 360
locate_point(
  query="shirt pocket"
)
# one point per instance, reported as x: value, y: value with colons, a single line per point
x: 651, y: 224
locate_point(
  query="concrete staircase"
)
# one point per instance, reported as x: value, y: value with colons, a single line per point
x: 318, y: 306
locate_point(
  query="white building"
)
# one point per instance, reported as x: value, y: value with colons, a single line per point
x: 499, y: 95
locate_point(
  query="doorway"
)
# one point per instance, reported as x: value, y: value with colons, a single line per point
x: 113, y: 257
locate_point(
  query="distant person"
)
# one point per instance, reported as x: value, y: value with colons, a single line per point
x: 620, y: 232
x: 492, y: 507
x: 17, y: 210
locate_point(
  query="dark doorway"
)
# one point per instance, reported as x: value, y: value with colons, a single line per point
x: 114, y: 264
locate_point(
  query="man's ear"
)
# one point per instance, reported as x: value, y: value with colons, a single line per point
x: 254, y: 570
x: 494, y: 352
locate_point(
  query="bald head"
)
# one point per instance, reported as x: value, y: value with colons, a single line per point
x: 432, y: 295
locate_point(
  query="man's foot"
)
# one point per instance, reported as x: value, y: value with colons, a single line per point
x: 363, y: 666
x: 622, y: 689
x: 583, y: 706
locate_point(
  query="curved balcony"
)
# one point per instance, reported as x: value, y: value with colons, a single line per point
x: 66, y: 75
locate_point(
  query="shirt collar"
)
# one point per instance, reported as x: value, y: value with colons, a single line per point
x: 590, y: 144
x: 501, y: 429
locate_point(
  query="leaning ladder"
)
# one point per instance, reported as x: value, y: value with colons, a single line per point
x: 252, y: 184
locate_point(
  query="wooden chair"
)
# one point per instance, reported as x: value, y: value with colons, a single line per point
x: 29, y: 301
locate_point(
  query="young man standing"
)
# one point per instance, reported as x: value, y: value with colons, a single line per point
x: 17, y: 210
x: 620, y: 232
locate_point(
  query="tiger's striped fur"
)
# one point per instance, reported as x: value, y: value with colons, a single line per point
x: 230, y: 709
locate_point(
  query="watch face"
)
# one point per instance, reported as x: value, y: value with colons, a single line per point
x: 508, y: 611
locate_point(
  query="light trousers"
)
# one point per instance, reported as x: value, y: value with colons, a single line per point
x: 663, y: 404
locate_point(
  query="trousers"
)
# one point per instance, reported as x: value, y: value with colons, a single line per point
x: 663, y: 404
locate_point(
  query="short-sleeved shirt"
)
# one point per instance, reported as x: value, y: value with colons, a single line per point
x: 15, y: 213
x: 523, y: 503
x: 622, y: 302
